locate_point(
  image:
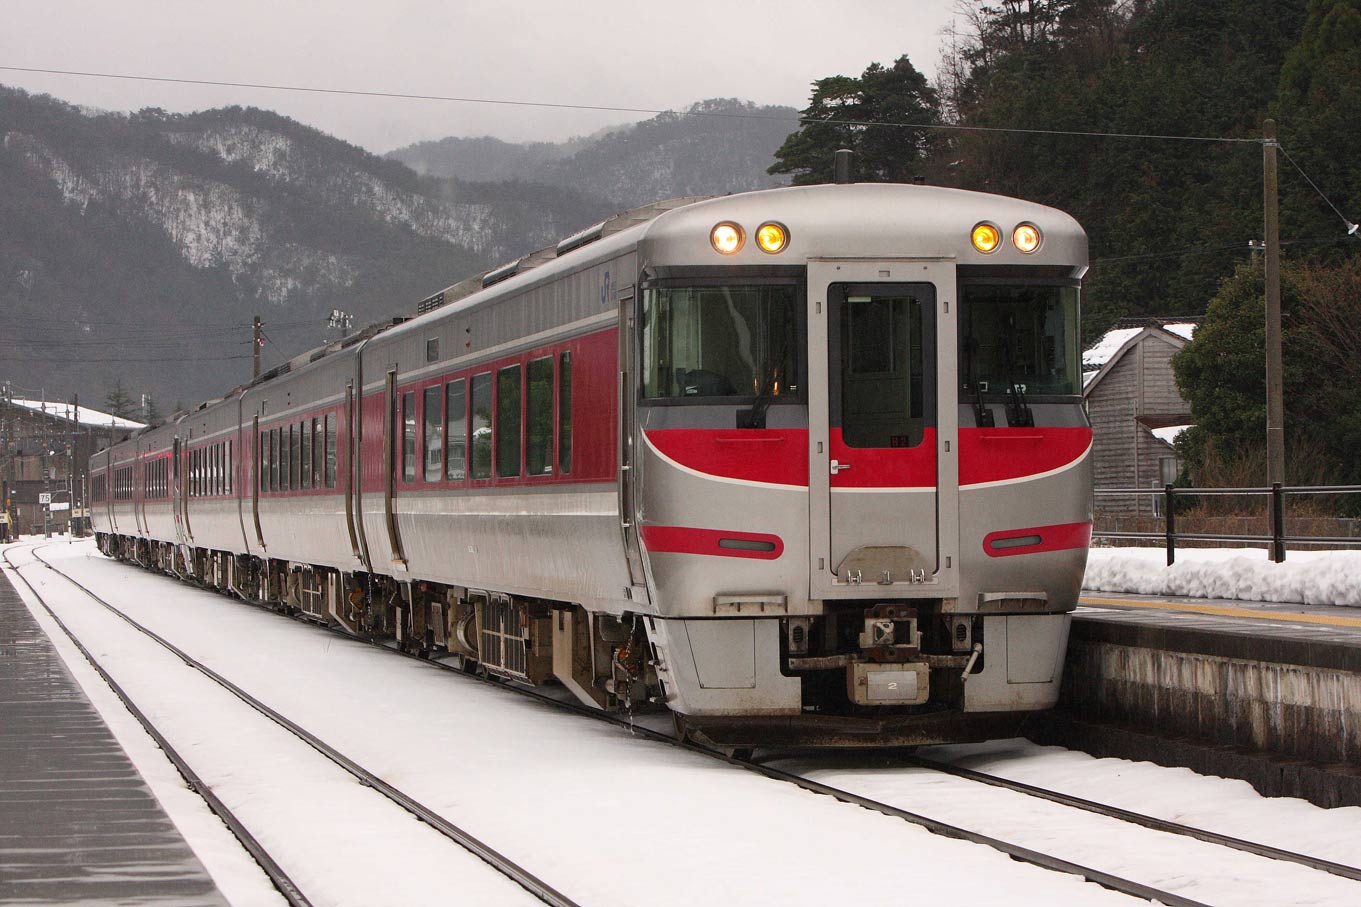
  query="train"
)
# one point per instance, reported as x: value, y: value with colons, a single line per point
x: 806, y: 466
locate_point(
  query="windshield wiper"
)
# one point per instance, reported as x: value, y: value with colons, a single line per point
x: 1018, y: 411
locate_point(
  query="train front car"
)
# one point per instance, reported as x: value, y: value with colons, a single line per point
x: 858, y: 472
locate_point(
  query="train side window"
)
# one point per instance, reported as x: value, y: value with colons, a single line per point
x: 261, y: 459
x: 283, y: 458
x: 455, y: 430
x: 305, y: 456
x: 229, y: 467
x: 409, y: 436
x: 539, y: 418
x: 565, y: 413
x: 434, y: 432
x: 481, y: 426
x: 318, y: 452
x: 330, y: 450
x: 508, y: 421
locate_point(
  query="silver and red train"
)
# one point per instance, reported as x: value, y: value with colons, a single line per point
x: 807, y: 465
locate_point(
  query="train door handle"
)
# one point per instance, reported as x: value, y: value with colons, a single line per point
x: 838, y: 467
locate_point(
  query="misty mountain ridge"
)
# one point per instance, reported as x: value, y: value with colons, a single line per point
x: 713, y: 147
x: 125, y: 228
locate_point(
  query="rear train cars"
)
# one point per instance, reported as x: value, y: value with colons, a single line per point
x: 807, y: 465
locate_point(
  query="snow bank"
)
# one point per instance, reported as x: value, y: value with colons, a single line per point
x: 1242, y: 574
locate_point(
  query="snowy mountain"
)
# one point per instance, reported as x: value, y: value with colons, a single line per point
x: 711, y: 148
x: 156, y: 228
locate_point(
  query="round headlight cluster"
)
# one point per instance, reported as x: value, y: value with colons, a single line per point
x: 728, y: 238
x: 987, y: 238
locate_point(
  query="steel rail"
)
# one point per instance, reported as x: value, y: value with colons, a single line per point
x: 498, y: 861
x: 1151, y: 822
x: 280, y: 879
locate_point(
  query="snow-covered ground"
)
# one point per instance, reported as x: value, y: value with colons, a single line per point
x: 1243, y: 574
x: 604, y: 817
x: 1193, y: 869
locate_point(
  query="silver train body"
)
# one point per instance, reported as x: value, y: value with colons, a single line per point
x: 805, y: 465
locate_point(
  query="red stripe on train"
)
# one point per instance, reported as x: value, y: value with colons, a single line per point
x: 716, y: 542
x: 1006, y: 542
x: 780, y: 456
x: 777, y: 456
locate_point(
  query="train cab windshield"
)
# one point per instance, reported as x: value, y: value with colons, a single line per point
x: 1020, y: 339
x: 706, y: 342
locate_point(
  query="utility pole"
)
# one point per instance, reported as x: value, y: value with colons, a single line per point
x: 256, y: 341
x: 1275, y: 406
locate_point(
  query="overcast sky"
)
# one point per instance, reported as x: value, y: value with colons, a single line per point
x: 605, y: 52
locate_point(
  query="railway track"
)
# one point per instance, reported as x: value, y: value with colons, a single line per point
x: 286, y: 886
x: 1015, y: 851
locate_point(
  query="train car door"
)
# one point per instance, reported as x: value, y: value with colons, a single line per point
x: 883, y: 429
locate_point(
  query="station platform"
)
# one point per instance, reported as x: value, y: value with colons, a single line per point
x: 1267, y: 692
x: 78, y: 824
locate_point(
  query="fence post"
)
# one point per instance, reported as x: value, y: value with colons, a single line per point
x: 1277, y: 523
x: 1170, y: 523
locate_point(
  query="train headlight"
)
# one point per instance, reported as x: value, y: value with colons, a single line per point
x: 986, y: 238
x: 772, y: 237
x: 727, y: 238
x: 1026, y: 237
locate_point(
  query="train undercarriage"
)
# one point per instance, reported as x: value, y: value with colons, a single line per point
x: 870, y: 674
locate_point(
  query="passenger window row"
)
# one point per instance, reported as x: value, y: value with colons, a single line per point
x: 210, y: 470
x: 299, y: 456
x: 505, y: 421
x: 156, y: 478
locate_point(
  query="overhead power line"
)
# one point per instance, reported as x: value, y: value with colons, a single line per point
x: 508, y: 102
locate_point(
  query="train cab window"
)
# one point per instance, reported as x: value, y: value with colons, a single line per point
x: 409, y: 436
x: 1022, y: 337
x: 722, y: 341
x: 481, y: 426
x: 330, y: 450
x: 508, y: 421
x: 539, y: 418
x: 455, y: 430
x: 305, y: 456
x: 565, y: 413
x: 434, y: 432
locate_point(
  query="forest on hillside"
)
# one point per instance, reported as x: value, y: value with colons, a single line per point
x: 1144, y: 119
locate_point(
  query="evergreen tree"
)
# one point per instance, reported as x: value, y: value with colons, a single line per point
x: 118, y: 403
x: 151, y: 413
x: 1319, y: 108
x: 838, y: 116
x: 1222, y: 373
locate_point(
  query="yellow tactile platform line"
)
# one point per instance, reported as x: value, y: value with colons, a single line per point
x: 1224, y: 611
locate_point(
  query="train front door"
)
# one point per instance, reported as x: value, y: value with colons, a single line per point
x: 882, y: 429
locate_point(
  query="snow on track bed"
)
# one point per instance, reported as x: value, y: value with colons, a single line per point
x: 1190, y: 868
x: 604, y: 818
x: 307, y: 813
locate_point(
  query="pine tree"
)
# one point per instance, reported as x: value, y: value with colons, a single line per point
x: 117, y: 402
x: 840, y: 114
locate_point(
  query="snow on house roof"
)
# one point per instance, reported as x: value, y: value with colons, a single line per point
x: 91, y: 418
x: 1169, y: 434
x: 1099, y: 353
x: 1111, y: 342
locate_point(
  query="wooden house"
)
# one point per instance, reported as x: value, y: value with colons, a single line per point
x: 1136, y: 410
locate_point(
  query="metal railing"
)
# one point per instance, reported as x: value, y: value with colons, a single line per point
x: 1277, y: 539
